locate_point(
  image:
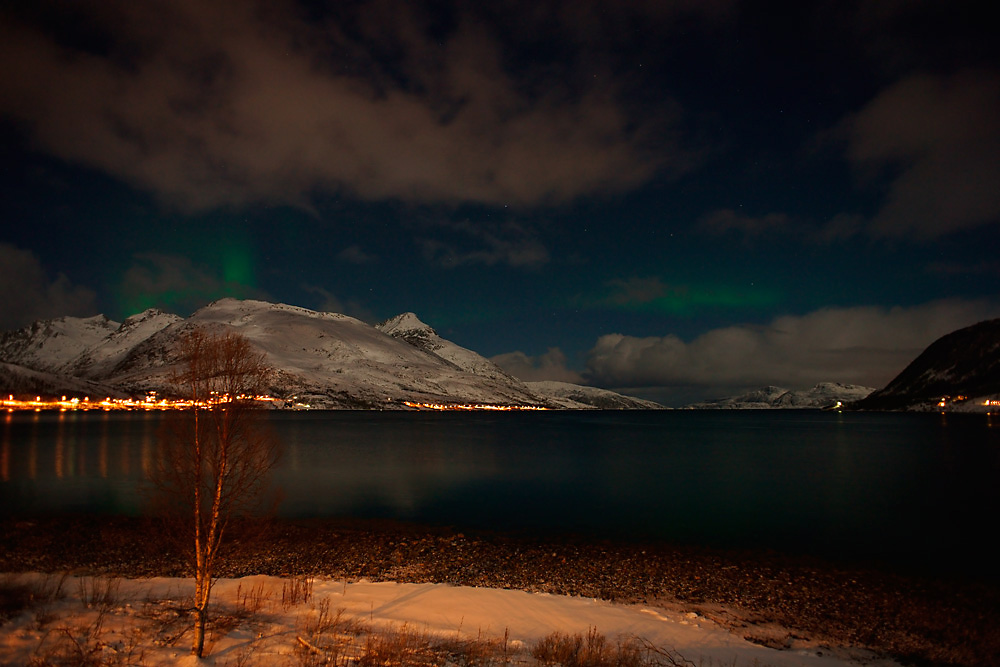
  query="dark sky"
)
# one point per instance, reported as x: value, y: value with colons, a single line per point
x: 676, y: 198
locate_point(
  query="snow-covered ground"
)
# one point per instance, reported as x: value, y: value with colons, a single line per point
x: 825, y: 395
x: 577, y: 397
x: 271, y: 621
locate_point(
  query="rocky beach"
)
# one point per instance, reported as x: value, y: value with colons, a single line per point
x: 776, y: 600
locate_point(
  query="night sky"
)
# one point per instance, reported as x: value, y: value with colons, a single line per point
x: 678, y: 199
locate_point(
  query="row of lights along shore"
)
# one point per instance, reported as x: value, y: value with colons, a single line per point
x: 153, y: 402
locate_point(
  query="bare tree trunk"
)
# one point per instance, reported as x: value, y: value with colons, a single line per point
x: 216, y: 459
x: 201, y: 597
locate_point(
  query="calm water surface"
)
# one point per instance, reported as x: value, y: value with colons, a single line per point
x: 917, y: 489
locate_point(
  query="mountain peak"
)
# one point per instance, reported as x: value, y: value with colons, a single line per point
x: 48, y: 344
x: 403, y: 323
x: 146, y: 315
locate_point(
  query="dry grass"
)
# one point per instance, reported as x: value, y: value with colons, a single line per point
x: 99, y: 592
x: 296, y: 591
x: 103, y: 631
x: 15, y: 596
x: 595, y: 650
x: 88, y: 646
x: 19, y: 594
x: 253, y: 600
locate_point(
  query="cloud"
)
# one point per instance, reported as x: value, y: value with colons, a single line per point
x: 29, y: 293
x: 354, y: 254
x: 860, y: 345
x: 224, y: 103
x: 548, y: 366
x: 725, y: 220
x: 938, y: 139
x: 489, y: 244
x: 174, y: 283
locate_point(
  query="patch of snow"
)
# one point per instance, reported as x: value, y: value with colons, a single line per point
x: 822, y: 396
x: 50, y: 344
x: 101, y: 357
x: 409, y: 328
x: 147, y: 620
x: 578, y: 397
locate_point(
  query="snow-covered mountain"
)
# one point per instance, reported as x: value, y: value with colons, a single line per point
x: 327, y: 360
x: 408, y: 327
x: 101, y: 358
x: 824, y: 395
x: 962, y: 368
x: 324, y: 360
x: 578, y: 397
x: 23, y: 381
x: 48, y: 345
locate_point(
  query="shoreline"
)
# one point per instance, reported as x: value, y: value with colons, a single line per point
x: 773, y: 598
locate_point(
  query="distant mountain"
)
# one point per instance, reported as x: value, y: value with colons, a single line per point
x: 326, y: 360
x: 101, y: 358
x: 579, y: 397
x: 824, y: 395
x: 962, y: 367
x: 48, y: 345
x: 323, y: 360
x: 408, y: 327
x: 20, y: 380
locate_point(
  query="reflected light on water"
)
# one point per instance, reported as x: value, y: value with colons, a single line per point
x: 33, y: 449
x: 102, y: 458
x: 60, y: 453
x: 146, y: 448
x: 5, y: 450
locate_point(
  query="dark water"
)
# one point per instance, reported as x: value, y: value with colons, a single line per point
x: 918, y: 490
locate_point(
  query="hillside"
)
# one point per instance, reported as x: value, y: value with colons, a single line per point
x: 962, y: 367
x: 322, y: 360
x: 824, y: 395
x: 577, y: 397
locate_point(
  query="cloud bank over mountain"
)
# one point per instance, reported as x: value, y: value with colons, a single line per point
x: 856, y: 345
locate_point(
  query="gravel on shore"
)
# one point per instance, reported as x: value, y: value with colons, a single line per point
x: 769, y: 598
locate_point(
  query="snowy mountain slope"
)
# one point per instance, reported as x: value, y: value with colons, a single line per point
x: 409, y: 328
x: 47, y: 345
x: 578, y: 397
x: 823, y: 395
x: 324, y: 359
x: 21, y: 381
x: 964, y: 363
x: 100, y: 358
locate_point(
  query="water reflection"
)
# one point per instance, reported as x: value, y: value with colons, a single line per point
x: 5, y: 449
x: 833, y: 481
x: 145, y: 448
x: 60, y: 455
x: 33, y: 455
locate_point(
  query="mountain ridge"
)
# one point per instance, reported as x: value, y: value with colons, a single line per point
x: 824, y: 395
x: 322, y: 360
x: 959, y: 371
x: 333, y: 361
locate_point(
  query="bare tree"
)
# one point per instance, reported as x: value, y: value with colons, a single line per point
x: 215, y: 457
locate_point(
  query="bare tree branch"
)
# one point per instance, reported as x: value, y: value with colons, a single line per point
x: 215, y: 458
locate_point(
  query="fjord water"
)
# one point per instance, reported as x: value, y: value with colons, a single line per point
x: 915, y: 490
